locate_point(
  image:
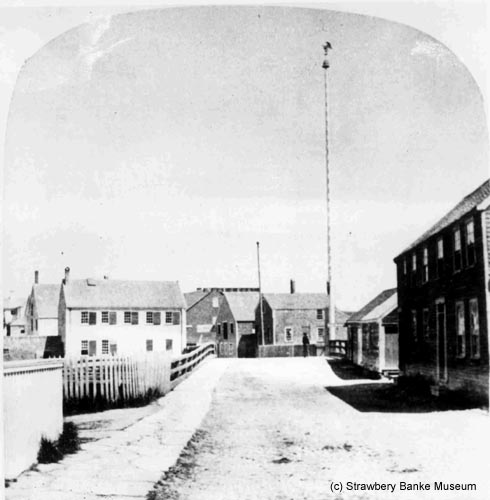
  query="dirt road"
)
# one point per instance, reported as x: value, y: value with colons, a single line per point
x: 275, y: 432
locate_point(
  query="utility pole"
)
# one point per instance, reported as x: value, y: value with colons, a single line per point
x: 260, y: 297
x: 330, y: 334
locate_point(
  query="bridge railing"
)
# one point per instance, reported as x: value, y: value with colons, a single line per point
x: 338, y: 347
x: 182, y: 366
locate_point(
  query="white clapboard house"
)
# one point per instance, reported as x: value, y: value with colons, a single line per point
x: 98, y: 317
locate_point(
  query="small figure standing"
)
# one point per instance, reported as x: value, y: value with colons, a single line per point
x: 306, y: 343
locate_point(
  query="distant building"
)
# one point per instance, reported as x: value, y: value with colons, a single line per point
x: 42, y: 309
x: 98, y: 317
x: 373, y: 334
x: 202, y: 311
x: 443, y: 298
x: 13, y: 317
x: 235, y: 325
x: 287, y: 316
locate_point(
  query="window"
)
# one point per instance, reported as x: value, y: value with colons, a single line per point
x: 414, y: 270
x: 149, y: 345
x: 414, y: 326
x: 232, y: 328
x: 319, y: 314
x: 425, y: 324
x: 105, y: 317
x: 84, y: 317
x: 168, y: 344
x: 474, y: 329
x: 176, y: 318
x: 215, y: 302
x: 32, y: 324
x: 425, y: 265
x: 288, y: 334
x: 168, y: 318
x: 460, y: 330
x: 440, y: 257
x: 149, y: 317
x: 457, y: 249
x: 225, y: 331
x: 404, y: 267
x: 219, y: 328
x: 112, y: 318
x: 127, y: 317
x: 105, y: 347
x: 92, y: 318
x: 470, y: 243
x: 321, y: 332
x: 84, y: 348
x: 37, y: 325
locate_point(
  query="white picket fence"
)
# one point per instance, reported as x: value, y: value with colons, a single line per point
x: 116, y: 378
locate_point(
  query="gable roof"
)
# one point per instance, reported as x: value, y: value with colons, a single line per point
x: 13, y: 303
x: 192, y: 298
x: 297, y: 300
x: 123, y: 294
x: 46, y: 297
x: 380, y: 306
x: 242, y: 304
x: 468, y: 203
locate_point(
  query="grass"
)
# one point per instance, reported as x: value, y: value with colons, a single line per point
x: 67, y: 443
x: 94, y: 405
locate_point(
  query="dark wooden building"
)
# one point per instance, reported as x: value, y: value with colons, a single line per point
x: 235, y: 325
x: 202, y: 312
x: 443, y: 298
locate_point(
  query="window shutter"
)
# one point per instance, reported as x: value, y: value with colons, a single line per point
x: 157, y: 318
x: 134, y: 318
x: 176, y: 318
x: 92, y: 318
x: 112, y: 318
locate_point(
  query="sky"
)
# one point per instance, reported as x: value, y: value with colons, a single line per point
x: 163, y: 144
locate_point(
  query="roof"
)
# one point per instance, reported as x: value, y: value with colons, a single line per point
x: 13, y: 303
x: 466, y: 205
x: 242, y: 304
x: 123, y: 294
x: 192, y: 298
x: 380, y: 306
x: 297, y: 300
x: 46, y: 297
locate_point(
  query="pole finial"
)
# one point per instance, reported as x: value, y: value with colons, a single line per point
x: 326, y: 47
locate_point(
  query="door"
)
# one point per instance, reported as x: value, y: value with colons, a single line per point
x: 391, y: 347
x: 441, y: 341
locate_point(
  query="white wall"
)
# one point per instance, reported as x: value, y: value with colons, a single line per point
x: 130, y: 339
x: 32, y: 407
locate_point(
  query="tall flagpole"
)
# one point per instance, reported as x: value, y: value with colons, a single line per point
x: 330, y: 335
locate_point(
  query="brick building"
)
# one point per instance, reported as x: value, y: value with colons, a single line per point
x: 287, y: 316
x: 443, y: 298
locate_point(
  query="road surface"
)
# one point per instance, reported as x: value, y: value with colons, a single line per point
x: 275, y: 432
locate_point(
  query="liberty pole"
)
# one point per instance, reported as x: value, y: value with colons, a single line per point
x: 331, y: 304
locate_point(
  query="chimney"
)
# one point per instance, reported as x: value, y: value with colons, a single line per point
x: 67, y: 275
x: 292, y: 286
x: 36, y: 277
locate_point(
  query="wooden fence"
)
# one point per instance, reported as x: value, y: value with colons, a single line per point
x: 122, y: 378
x: 183, y: 365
